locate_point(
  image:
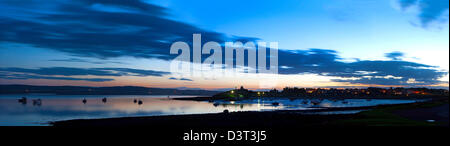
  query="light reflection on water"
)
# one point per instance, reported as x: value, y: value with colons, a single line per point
x: 287, y: 103
x: 59, y: 107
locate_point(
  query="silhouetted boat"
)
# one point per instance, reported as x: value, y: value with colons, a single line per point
x: 104, y: 100
x: 84, y: 100
x: 37, y: 102
x: 315, y: 102
x: 140, y: 102
x: 22, y: 100
x: 304, y: 102
x: 135, y: 100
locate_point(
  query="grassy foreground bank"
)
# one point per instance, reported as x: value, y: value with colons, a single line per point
x: 432, y: 113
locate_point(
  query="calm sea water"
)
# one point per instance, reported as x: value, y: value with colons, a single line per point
x: 62, y: 107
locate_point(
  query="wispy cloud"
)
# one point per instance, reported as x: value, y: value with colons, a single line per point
x: 55, y: 73
x: 429, y: 10
x: 181, y: 79
x: 85, y: 61
x: 395, y: 55
x: 327, y: 63
x: 11, y: 76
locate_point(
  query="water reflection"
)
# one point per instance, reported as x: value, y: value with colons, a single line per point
x: 283, y: 103
x: 45, y: 108
x: 52, y: 108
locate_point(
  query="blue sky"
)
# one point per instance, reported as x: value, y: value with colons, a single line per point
x: 325, y: 43
x: 356, y: 27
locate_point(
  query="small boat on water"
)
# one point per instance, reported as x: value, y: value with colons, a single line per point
x: 84, y: 100
x: 304, y: 102
x: 315, y: 102
x: 104, y: 100
x: 140, y: 102
x: 275, y: 103
x: 22, y: 100
x: 37, y: 102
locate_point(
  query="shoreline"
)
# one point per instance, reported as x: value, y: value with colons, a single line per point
x: 212, y: 99
x: 282, y: 118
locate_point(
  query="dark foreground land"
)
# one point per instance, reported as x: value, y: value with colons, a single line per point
x: 412, y: 114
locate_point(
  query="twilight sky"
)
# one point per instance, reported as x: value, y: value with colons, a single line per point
x: 323, y: 43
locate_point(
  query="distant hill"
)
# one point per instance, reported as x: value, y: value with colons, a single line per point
x: 117, y: 90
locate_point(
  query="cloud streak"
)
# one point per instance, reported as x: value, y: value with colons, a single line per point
x: 429, y: 10
x: 77, y: 60
x: 55, y: 73
x: 12, y: 76
x: 180, y: 79
x: 327, y: 63
x: 395, y: 55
